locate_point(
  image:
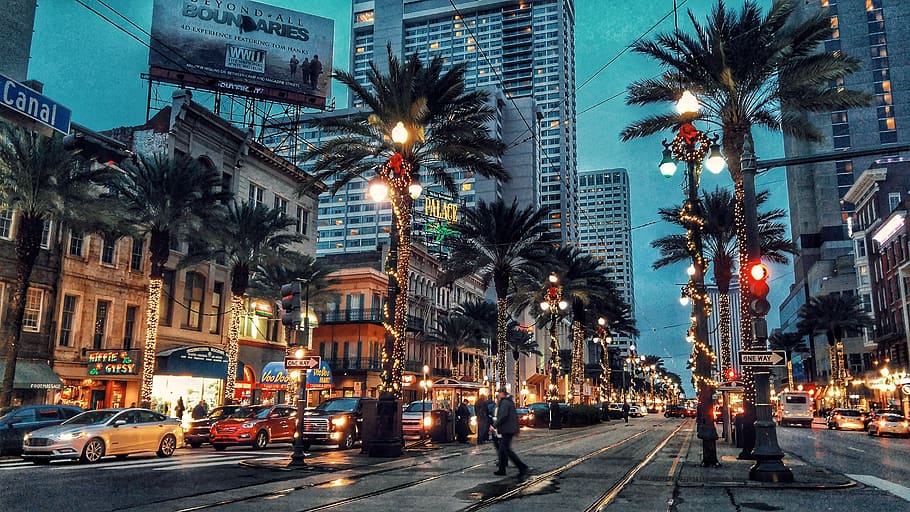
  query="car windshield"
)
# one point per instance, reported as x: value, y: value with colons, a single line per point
x: 260, y: 413
x: 220, y: 412
x: 848, y: 412
x: 91, y: 418
x: 419, y: 406
x: 892, y: 417
x: 248, y: 412
x: 338, y: 405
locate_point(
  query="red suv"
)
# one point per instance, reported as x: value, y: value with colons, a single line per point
x: 255, y: 426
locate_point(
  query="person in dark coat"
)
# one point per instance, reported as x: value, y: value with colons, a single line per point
x: 506, y: 425
x: 200, y: 410
x: 625, y: 411
x: 293, y: 65
x: 305, y: 71
x: 483, y: 419
x: 462, y: 422
x: 315, y: 71
x: 179, y: 409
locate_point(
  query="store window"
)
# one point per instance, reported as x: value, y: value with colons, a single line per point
x: 67, y: 317
x: 101, y: 312
x: 192, y: 300
x: 34, y: 302
x: 129, y: 327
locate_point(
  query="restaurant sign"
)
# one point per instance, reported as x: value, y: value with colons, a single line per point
x: 113, y: 362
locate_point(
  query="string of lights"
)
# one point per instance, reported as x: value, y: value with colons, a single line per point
x: 152, y: 312
x: 233, y: 346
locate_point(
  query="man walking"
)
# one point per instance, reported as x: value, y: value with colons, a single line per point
x: 625, y: 411
x: 483, y: 419
x: 506, y: 425
x: 462, y: 422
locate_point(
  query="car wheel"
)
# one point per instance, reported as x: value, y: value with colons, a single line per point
x: 261, y: 441
x: 93, y: 451
x: 168, y: 446
x: 348, y: 441
x: 219, y: 447
x: 195, y: 444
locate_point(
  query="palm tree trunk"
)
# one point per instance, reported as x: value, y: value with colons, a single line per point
x: 790, y: 373
x: 28, y: 245
x: 578, y: 365
x: 394, y: 357
x: 233, y: 347
x: 605, y: 373
x: 517, y: 388
x: 502, y: 320
x: 726, y: 353
x: 159, y: 250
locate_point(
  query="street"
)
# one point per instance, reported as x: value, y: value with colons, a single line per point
x: 612, y: 466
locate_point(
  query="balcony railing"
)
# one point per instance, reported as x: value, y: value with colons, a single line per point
x: 343, y: 316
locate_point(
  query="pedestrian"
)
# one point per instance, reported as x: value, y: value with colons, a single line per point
x: 179, y: 409
x: 305, y: 71
x: 315, y: 70
x: 462, y: 422
x: 625, y: 411
x: 199, y: 411
x: 506, y: 425
x: 293, y: 64
x: 483, y: 420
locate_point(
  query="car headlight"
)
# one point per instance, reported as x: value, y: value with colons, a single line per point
x: 339, y: 422
x: 428, y: 421
x: 249, y: 424
x: 69, y: 436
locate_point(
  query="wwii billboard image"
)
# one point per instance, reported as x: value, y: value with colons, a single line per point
x: 243, y: 47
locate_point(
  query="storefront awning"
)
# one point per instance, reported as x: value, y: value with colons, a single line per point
x: 209, y: 362
x: 33, y: 375
x: 274, y: 377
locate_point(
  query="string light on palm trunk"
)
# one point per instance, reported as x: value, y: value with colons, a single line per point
x: 152, y: 312
x: 233, y: 342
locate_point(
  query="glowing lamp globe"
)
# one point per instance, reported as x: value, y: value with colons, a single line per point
x: 687, y: 103
x: 691, y: 270
x: 715, y: 162
x: 545, y: 306
x: 601, y: 321
x: 399, y: 133
x: 379, y: 190
x: 563, y: 304
x: 684, y: 301
x: 415, y: 189
x: 667, y: 164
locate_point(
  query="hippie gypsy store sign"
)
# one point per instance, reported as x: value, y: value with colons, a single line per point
x: 113, y: 362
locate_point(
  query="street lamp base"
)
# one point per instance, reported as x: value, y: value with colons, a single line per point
x: 555, y: 416
x: 297, y: 461
x: 770, y: 471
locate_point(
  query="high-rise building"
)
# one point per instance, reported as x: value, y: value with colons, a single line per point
x: 870, y: 31
x: 525, y: 48
x: 17, y: 19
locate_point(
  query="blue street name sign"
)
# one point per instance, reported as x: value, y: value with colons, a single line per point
x: 34, y: 105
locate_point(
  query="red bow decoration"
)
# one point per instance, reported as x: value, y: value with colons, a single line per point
x: 688, y: 132
x: 395, y: 162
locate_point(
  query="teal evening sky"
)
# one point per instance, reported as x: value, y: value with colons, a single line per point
x: 94, y: 68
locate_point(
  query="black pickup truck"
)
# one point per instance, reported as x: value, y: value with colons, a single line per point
x: 337, y: 421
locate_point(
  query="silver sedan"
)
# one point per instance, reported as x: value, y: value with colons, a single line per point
x: 890, y: 424
x: 96, y: 434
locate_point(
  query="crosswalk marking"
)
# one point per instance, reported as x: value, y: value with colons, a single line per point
x: 898, y: 490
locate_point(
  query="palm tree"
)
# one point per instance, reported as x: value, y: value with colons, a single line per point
x: 456, y: 333
x: 748, y: 69
x: 497, y: 242
x: 789, y: 342
x: 250, y: 234
x: 40, y: 180
x: 448, y: 128
x: 166, y: 198
x: 520, y: 343
x: 720, y: 246
x: 835, y: 315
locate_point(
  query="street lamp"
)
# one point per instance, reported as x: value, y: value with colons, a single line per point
x: 692, y: 146
x: 604, y: 339
x: 396, y: 180
x: 425, y: 384
x: 554, y: 304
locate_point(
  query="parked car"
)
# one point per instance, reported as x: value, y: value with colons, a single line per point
x: 795, y: 408
x: 872, y: 416
x: 637, y: 411
x: 15, y: 422
x: 540, y: 413
x: 852, y: 419
x: 95, y: 434
x: 256, y: 427
x: 676, y: 411
x: 614, y: 411
x: 196, y: 432
x: 414, y: 413
x: 890, y: 424
x: 336, y: 421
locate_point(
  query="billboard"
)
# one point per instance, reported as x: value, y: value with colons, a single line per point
x: 243, y: 47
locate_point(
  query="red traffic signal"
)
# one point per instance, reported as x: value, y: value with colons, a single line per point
x: 758, y: 289
x: 731, y: 374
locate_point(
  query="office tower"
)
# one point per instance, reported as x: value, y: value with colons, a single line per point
x: 17, y: 18
x: 524, y: 48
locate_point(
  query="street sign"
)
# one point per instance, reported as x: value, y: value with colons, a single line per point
x: 304, y: 363
x: 763, y: 358
x: 33, y: 105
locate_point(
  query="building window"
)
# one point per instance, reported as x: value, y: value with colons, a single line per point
x: 215, y: 310
x: 136, y: 254
x: 166, y: 313
x: 894, y: 199
x: 46, y: 235
x: 129, y: 327
x: 192, y: 300
x: 66, y: 319
x: 256, y: 194
x: 303, y: 218
x: 107, y: 251
x: 6, y: 224
x: 76, y: 243
x: 281, y: 204
x: 34, y: 300
x: 101, y: 312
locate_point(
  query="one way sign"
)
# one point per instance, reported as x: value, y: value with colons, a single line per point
x: 308, y: 363
x: 763, y: 358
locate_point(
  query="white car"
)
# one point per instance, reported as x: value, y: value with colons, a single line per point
x: 637, y: 411
x: 891, y: 424
x: 96, y: 434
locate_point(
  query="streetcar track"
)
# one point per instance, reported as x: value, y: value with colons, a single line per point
x: 545, y: 442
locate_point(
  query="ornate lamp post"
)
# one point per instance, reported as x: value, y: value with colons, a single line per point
x: 692, y: 147
x: 553, y: 305
x: 398, y: 182
x: 604, y: 339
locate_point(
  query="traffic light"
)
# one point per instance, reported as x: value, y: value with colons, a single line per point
x: 731, y: 374
x: 758, y: 289
x: 290, y: 304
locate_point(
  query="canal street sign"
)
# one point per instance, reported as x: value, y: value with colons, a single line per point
x: 33, y: 105
x: 763, y: 358
x: 304, y: 363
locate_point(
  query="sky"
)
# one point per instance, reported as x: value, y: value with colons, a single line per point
x: 94, y: 68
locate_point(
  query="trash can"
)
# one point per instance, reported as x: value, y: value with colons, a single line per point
x: 441, y: 431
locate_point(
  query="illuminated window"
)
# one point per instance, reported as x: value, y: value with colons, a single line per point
x: 360, y: 49
x: 365, y: 17
x: 466, y: 186
x: 434, y: 46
